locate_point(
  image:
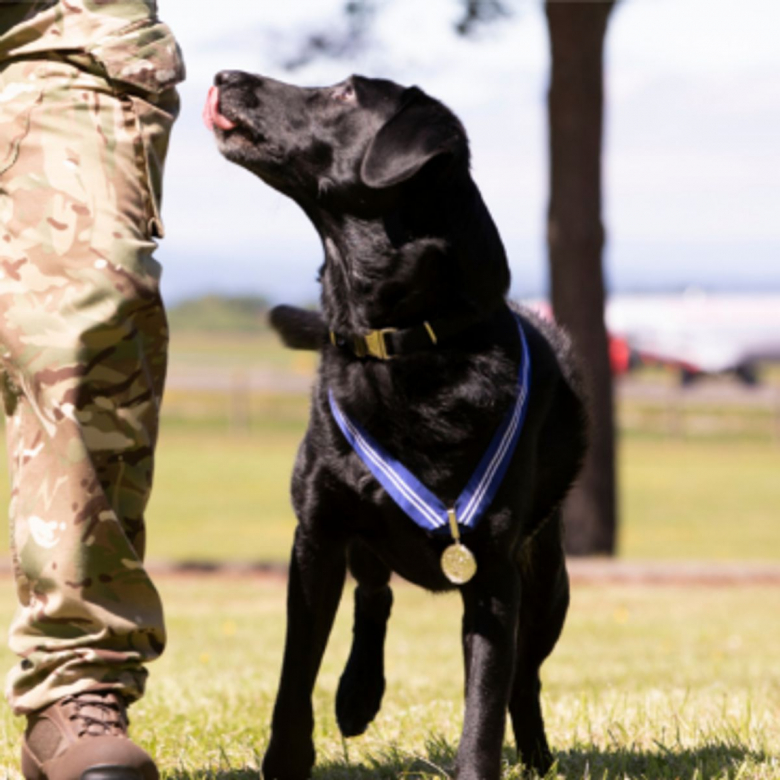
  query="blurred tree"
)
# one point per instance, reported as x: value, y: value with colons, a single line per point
x: 575, y: 234
x: 340, y: 43
x: 575, y: 237
x: 479, y: 11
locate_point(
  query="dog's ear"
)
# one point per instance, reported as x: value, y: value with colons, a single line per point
x: 420, y: 130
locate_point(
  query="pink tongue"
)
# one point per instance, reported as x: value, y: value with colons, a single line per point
x: 211, y: 115
x: 207, y: 120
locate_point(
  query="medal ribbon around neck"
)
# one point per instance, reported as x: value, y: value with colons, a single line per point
x: 426, y: 509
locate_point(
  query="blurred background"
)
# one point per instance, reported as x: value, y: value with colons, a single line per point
x: 691, y: 164
x: 689, y: 200
x: 661, y: 171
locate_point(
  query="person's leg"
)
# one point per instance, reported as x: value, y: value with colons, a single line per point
x: 83, y: 341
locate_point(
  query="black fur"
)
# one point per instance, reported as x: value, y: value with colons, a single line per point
x: 383, y: 173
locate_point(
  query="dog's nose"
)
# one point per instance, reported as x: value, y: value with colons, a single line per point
x: 227, y: 77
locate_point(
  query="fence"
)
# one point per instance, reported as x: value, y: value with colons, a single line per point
x: 242, y: 398
x: 708, y: 408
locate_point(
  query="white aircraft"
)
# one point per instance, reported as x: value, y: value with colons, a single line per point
x: 701, y: 333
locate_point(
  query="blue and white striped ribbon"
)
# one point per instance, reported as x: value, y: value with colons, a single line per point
x: 422, y: 506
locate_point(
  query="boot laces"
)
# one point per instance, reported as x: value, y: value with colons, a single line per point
x: 97, y: 713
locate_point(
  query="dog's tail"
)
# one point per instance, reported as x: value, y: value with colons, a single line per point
x: 299, y: 328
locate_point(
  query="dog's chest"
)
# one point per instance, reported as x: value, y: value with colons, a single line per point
x: 403, y: 548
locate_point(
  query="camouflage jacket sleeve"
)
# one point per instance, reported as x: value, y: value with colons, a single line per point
x: 122, y: 39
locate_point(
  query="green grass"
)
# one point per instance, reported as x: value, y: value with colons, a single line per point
x: 212, y: 313
x: 227, y: 497
x: 646, y: 683
x: 225, y: 457
x: 219, y: 350
x: 222, y: 495
x: 699, y: 499
x: 712, y: 496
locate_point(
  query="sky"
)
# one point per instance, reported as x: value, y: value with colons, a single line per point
x: 691, y: 147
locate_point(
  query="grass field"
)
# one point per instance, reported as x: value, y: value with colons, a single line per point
x: 226, y: 452
x: 709, y: 497
x: 646, y: 683
x: 225, y: 496
x: 223, y: 493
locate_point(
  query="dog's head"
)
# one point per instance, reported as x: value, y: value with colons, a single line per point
x: 383, y: 173
x: 367, y: 134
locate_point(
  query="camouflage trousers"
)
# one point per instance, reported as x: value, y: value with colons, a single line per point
x: 83, y: 342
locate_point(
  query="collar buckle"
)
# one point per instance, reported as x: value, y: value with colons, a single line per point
x: 374, y: 344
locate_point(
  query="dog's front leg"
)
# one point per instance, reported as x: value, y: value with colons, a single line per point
x: 317, y: 572
x: 491, y: 602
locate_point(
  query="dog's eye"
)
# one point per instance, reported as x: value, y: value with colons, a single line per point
x: 345, y: 94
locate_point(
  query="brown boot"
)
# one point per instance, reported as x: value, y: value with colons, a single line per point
x: 83, y: 737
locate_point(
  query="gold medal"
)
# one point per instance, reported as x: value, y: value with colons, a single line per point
x: 458, y: 564
x: 457, y: 561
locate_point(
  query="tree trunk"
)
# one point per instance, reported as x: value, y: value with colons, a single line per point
x: 576, y: 238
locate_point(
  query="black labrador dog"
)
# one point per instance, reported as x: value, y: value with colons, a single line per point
x: 420, y: 354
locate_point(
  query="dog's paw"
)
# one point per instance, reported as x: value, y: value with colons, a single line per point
x: 536, y: 757
x: 359, y: 698
x: 285, y: 763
